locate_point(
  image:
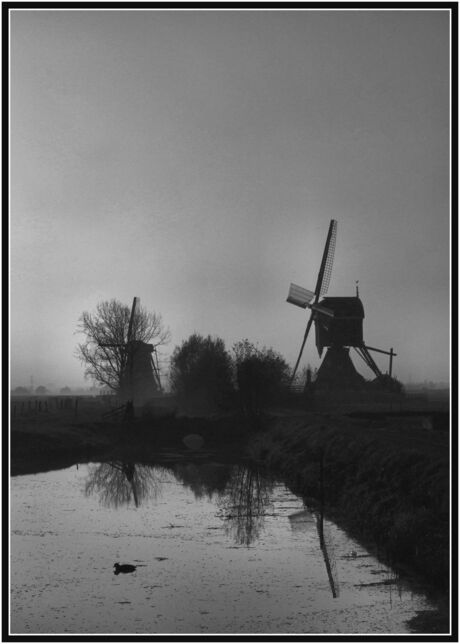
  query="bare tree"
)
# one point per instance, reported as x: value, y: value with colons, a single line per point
x: 104, y: 351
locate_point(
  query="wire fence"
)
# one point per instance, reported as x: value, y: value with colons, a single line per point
x: 23, y: 406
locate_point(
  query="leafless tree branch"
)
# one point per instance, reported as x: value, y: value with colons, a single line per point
x: 103, y: 352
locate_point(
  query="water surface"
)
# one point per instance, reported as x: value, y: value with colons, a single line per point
x: 219, y: 549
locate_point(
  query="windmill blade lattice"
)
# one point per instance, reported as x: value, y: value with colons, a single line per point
x: 131, y: 319
x: 329, y: 259
x: 322, y: 285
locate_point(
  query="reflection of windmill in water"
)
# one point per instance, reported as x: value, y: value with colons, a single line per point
x: 338, y: 326
x: 139, y: 372
x: 301, y: 522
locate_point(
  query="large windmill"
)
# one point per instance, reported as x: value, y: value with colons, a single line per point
x: 139, y: 374
x: 338, y: 323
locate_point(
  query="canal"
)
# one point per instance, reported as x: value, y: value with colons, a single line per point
x: 217, y: 548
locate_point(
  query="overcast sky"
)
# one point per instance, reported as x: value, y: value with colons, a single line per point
x: 195, y: 159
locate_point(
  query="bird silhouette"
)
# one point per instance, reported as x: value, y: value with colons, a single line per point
x: 123, y: 568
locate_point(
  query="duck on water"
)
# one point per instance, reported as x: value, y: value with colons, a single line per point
x: 123, y: 568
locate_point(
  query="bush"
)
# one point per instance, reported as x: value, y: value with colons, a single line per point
x: 21, y: 391
x: 262, y: 376
x: 201, y: 371
x: 386, y: 383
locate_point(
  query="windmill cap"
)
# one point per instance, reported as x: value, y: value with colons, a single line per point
x: 344, y: 307
x: 143, y: 346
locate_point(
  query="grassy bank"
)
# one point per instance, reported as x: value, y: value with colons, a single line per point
x: 388, y: 485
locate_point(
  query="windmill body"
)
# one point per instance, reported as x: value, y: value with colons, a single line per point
x: 138, y: 381
x: 338, y: 327
x: 139, y: 378
x: 345, y: 328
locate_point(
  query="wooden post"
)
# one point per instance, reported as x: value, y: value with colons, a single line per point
x: 391, y: 360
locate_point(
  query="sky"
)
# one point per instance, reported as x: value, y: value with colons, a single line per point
x: 194, y: 158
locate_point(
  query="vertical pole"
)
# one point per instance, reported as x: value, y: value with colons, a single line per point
x: 391, y: 360
x: 321, y: 497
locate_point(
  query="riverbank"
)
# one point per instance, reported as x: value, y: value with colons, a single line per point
x: 387, y: 483
x: 45, y: 442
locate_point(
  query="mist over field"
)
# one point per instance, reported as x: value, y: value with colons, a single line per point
x: 195, y: 159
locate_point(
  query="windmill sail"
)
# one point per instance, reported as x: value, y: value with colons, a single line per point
x: 130, y: 353
x: 131, y: 319
x: 299, y: 296
x: 155, y: 369
x: 322, y: 284
x: 325, y: 271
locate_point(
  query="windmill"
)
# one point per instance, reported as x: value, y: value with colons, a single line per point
x: 139, y: 373
x: 338, y: 323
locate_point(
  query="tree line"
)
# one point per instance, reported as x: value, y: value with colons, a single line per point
x: 201, y: 370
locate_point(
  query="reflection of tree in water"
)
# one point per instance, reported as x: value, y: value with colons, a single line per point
x: 204, y: 479
x: 244, y: 504
x: 117, y: 482
x: 244, y: 495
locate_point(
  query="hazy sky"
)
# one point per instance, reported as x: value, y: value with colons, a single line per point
x: 195, y: 159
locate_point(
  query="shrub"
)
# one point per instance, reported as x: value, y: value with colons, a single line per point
x: 386, y: 383
x: 262, y: 376
x: 201, y: 370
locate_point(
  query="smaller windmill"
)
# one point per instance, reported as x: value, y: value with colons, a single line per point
x: 338, y: 323
x: 139, y: 375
